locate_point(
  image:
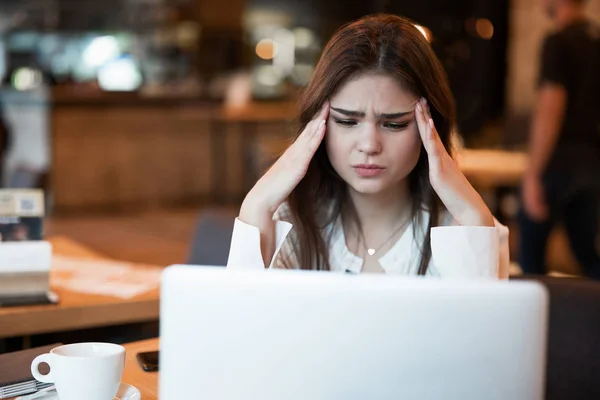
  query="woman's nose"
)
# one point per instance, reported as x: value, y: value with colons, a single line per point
x: 370, y: 140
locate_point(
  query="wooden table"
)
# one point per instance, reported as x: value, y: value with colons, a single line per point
x: 77, y: 310
x: 146, y: 382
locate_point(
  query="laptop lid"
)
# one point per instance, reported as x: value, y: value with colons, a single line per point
x: 300, y: 335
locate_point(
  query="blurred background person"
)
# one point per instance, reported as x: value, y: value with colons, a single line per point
x: 562, y: 180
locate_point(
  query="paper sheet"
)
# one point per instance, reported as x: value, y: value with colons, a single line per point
x: 104, y: 277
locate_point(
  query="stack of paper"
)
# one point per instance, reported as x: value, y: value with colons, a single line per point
x: 104, y: 277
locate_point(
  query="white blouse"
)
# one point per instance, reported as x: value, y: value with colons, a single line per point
x: 457, y: 251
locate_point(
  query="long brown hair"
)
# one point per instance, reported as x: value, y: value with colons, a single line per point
x: 383, y: 44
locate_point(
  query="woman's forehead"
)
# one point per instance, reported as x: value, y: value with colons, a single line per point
x: 376, y: 93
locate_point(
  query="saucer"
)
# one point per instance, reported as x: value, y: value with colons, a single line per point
x: 128, y: 392
x: 125, y: 392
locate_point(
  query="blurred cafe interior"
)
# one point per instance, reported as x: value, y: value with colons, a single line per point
x: 146, y: 122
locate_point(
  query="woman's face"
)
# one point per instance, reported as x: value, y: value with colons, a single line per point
x: 372, y: 137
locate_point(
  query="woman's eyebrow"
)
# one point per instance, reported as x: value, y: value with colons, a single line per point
x: 395, y: 115
x: 349, y: 113
x: 360, y: 114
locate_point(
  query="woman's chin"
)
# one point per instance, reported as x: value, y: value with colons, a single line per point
x: 369, y: 186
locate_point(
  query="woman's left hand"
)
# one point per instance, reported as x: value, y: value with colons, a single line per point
x: 460, y: 198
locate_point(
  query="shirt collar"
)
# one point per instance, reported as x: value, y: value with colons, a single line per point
x: 400, y: 259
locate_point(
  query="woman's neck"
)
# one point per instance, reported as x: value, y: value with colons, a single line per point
x: 382, y: 211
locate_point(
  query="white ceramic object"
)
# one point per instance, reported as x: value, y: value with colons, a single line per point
x: 90, y: 371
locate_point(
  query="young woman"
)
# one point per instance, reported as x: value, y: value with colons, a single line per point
x: 369, y: 184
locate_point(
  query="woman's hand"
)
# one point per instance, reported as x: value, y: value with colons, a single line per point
x: 274, y: 187
x: 460, y: 198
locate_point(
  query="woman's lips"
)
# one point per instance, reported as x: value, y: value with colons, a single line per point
x: 368, y: 170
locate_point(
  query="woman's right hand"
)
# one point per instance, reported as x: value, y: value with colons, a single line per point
x: 274, y: 187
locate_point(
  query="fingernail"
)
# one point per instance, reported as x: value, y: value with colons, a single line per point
x: 419, y: 107
x: 322, y: 123
x: 431, y: 122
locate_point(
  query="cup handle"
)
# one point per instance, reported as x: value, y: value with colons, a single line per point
x: 36, y: 373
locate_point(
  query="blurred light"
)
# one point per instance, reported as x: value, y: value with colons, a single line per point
x: 188, y: 34
x: 285, y: 44
x: 260, y: 22
x: 49, y: 43
x: 304, y: 38
x: 425, y: 31
x: 23, y: 41
x: 26, y: 79
x: 121, y: 75
x: 302, y: 73
x: 268, y: 75
x: 82, y: 72
x: 60, y: 65
x: 262, y: 32
x: 100, y: 51
x: 266, y: 49
x: 484, y: 28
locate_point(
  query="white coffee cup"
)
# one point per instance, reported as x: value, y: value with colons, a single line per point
x: 90, y: 371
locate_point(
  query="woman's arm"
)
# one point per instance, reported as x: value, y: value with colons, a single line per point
x: 446, y: 178
x: 254, y: 216
x: 246, y: 250
x: 255, y: 230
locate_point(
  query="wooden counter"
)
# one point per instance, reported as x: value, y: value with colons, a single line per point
x: 136, y: 156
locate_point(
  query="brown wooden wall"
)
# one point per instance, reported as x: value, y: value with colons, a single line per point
x: 119, y: 158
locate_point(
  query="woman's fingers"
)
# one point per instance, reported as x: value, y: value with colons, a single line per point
x: 423, y: 125
x: 317, y: 138
x: 429, y: 135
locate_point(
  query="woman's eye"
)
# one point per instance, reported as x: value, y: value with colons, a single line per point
x: 345, y: 122
x: 392, y: 126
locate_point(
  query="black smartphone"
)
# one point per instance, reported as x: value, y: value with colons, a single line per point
x: 148, y: 360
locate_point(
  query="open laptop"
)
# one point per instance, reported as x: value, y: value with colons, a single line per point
x: 299, y: 335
